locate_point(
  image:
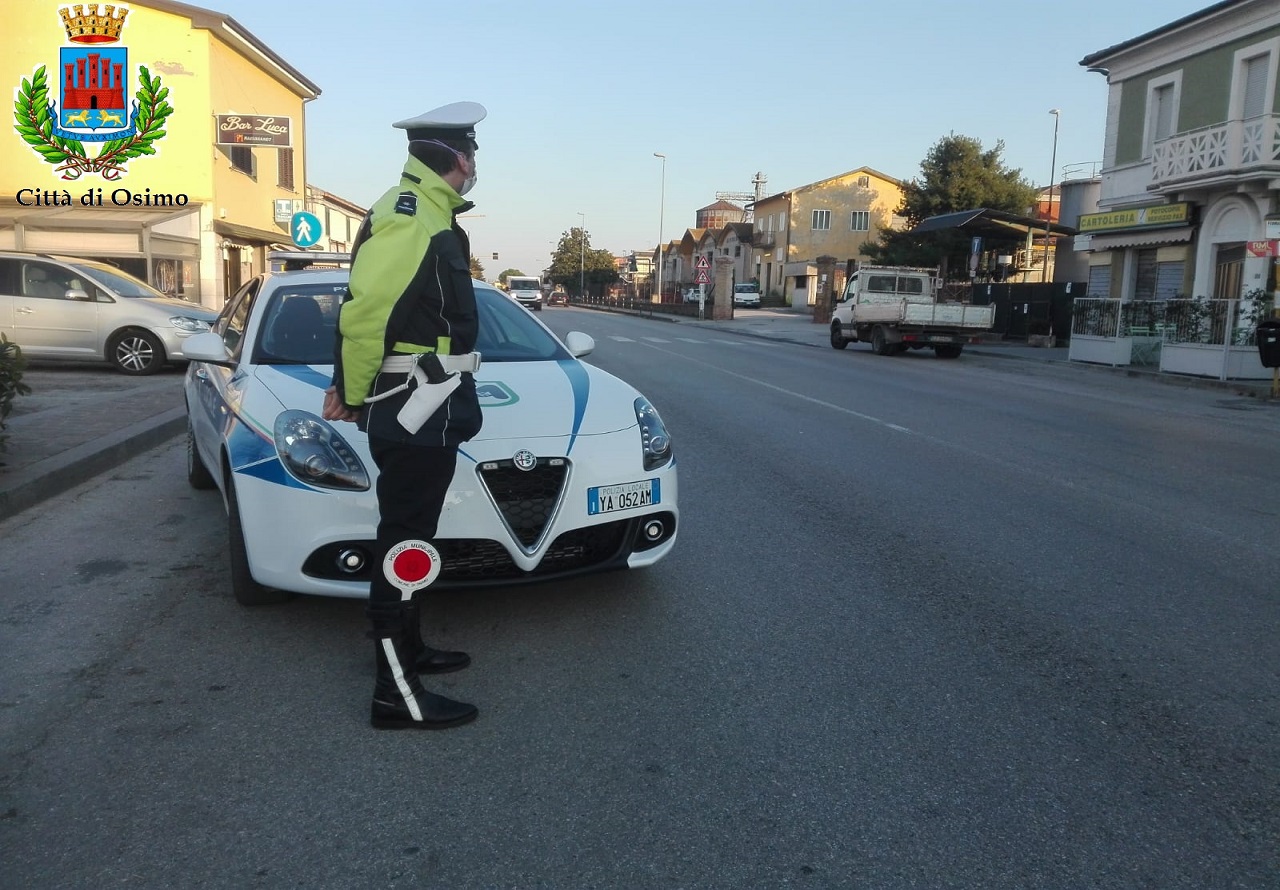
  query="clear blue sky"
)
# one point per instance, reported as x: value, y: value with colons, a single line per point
x: 581, y: 94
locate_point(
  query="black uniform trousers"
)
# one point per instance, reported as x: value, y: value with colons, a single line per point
x: 413, y: 481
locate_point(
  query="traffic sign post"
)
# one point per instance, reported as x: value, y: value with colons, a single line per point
x: 305, y: 229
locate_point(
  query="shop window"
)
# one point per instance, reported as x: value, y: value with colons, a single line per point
x: 1099, y: 282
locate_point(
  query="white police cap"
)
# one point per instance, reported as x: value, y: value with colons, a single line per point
x: 456, y: 120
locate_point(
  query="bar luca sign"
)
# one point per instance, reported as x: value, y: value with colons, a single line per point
x: 1151, y: 217
x: 253, y: 129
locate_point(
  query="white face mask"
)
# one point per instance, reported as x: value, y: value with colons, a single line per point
x: 470, y: 182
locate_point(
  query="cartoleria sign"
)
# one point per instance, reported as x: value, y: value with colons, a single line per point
x: 1152, y: 216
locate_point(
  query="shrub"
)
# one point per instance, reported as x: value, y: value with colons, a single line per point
x: 12, y: 363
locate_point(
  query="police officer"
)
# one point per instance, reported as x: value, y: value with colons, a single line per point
x: 403, y: 372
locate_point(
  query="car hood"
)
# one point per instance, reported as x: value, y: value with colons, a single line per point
x: 519, y: 399
x: 176, y: 306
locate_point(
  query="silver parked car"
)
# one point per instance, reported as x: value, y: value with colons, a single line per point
x: 61, y: 307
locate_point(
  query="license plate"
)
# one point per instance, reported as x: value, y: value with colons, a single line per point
x: 941, y: 338
x: 624, y: 496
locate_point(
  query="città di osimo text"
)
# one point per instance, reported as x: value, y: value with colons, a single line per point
x: 94, y: 198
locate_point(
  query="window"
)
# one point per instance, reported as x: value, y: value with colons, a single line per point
x: 860, y: 221
x: 1254, y: 80
x: 1099, y: 282
x: 864, y: 182
x: 1255, y: 85
x: 737, y: 250
x: 284, y: 168
x: 821, y: 220
x: 241, y: 158
x: 1162, y: 110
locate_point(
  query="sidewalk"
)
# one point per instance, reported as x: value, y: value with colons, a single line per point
x: 79, y: 420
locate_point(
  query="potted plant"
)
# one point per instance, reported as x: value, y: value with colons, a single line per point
x: 12, y: 363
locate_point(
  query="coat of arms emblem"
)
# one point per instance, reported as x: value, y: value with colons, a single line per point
x: 93, y: 106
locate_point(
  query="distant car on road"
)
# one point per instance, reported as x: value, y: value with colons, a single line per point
x: 63, y: 307
x: 525, y: 290
x: 746, y: 295
x: 558, y: 298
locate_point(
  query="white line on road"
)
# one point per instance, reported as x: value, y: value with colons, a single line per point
x: 789, y: 392
x: 621, y: 339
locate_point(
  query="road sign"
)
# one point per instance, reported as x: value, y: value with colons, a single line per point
x: 305, y: 228
x: 702, y: 263
x: 701, y: 277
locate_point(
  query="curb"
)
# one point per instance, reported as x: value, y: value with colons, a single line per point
x: 54, y: 475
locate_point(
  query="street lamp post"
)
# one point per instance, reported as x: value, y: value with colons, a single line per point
x: 662, y: 212
x: 1053, y: 175
x: 582, y: 257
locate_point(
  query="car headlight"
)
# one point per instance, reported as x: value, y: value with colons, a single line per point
x: 191, y: 325
x: 313, y: 452
x: 655, y: 442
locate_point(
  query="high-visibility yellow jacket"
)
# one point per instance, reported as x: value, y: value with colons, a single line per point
x: 410, y: 292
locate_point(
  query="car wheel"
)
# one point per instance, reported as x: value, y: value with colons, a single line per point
x: 951, y: 350
x: 247, y: 591
x: 537, y: 307
x: 837, y: 339
x: 136, y: 352
x: 198, y: 475
x: 880, y: 344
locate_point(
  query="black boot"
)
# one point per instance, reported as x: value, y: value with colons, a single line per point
x: 399, y: 701
x: 426, y: 659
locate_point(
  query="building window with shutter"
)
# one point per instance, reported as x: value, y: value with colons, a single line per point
x: 1162, y: 110
x: 860, y: 221
x: 241, y: 158
x: 284, y: 168
x: 864, y: 182
x: 821, y: 220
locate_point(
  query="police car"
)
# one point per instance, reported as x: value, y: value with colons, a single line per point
x: 572, y: 473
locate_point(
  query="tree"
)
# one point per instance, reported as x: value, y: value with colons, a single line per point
x: 507, y: 273
x: 957, y: 174
x: 477, y: 270
x: 574, y: 260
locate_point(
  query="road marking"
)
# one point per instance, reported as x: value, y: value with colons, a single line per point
x: 656, y: 340
x: 799, y: 395
x: 621, y: 339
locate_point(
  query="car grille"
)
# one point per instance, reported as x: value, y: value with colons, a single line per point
x: 480, y: 561
x: 475, y: 559
x: 526, y: 499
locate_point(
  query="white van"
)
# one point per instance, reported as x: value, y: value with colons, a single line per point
x: 525, y: 290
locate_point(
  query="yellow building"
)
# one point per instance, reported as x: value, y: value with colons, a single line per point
x: 113, y: 151
x: 832, y: 217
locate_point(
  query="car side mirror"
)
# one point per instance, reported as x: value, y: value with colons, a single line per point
x: 76, y: 294
x: 579, y: 344
x: 206, y: 347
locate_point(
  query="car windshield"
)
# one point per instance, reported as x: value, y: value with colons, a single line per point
x: 522, y: 283
x: 744, y: 288
x: 300, y: 320
x: 120, y: 283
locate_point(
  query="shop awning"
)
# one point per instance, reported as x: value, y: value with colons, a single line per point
x: 1116, y: 240
x: 991, y: 224
x: 248, y: 233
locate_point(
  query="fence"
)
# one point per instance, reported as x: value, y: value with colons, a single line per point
x: 1207, y: 322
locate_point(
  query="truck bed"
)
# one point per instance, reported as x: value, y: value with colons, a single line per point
x: 959, y: 316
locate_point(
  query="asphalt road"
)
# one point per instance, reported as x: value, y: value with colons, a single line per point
x: 971, y: 623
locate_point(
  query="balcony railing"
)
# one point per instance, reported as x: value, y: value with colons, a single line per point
x: 1226, y: 150
x: 764, y: 239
